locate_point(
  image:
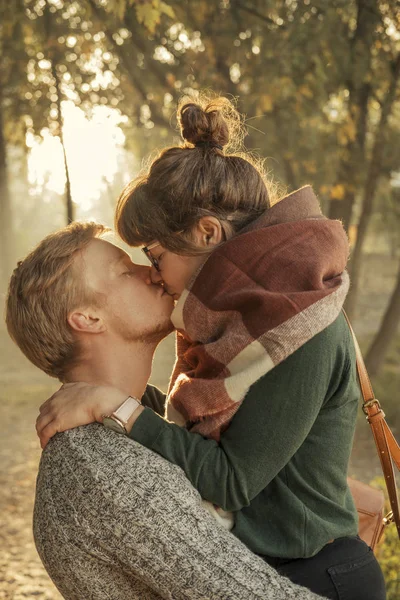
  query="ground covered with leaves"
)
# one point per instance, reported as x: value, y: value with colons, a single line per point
x: 21, y: 572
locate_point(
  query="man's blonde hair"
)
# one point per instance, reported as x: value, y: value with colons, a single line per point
x: 44, y: 289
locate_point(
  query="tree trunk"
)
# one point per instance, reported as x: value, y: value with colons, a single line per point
x: 290, y: 176
x: 349, y: 175
x: 387, y: 331
x: 68, y: 197
x: 53, y: 56
x: 6, y: 228
x: 374, y: 172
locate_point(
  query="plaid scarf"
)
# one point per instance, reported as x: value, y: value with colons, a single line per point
x: 256, y: 300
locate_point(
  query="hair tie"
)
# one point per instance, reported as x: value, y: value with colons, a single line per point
x: 208, y: 144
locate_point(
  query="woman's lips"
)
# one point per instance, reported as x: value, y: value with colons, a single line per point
x: 170, y: 293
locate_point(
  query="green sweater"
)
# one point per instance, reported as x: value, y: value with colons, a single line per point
x: 281, y: 465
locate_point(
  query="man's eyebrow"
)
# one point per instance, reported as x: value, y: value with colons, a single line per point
x: 122, y: 258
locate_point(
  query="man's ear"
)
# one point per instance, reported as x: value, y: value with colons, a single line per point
x: 209, y: 232
x: 86, y: 322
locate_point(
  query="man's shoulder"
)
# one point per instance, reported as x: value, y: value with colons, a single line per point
x: 70, y: 446
x: 82, y: 449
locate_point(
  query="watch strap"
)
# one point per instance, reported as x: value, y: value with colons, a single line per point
x: 126, y: 410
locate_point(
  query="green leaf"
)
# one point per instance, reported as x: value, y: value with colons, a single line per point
x: 148, y: 16
x: 167, y: 10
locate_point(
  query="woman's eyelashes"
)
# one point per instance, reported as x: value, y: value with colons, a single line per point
x: 158, y: 259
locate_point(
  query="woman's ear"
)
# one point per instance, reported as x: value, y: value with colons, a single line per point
x: 208, y: 232
x: 85, y: 322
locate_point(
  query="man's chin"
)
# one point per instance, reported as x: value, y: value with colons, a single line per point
x: 159, y: 333
x: 167, y: 329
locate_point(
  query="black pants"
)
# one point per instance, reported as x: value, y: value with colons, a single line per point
x: 345, y: 569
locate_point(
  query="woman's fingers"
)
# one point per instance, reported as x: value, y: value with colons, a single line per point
x: 53, y: 422
x: 76, y: 404
x: 59, y: 397
x: 42, y: 420
x: 45, y: 404
x: 66, y: 409
x: 47, y: 433
x: 64, y: 386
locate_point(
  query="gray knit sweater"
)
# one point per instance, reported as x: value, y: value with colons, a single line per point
x: 113, y: 520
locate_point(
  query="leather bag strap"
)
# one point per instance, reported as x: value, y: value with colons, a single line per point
x: 386, y: 444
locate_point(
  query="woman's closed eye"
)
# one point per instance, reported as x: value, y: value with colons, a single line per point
x: 157, y: 260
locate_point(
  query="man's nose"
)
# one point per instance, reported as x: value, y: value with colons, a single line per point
x: 144, y: 272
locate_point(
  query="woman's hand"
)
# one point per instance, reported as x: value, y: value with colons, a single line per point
x: 76, y: 404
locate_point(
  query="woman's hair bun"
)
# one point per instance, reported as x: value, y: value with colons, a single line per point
x: 209, y: 120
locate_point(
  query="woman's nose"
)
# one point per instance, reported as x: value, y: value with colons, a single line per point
x: 155, y: 275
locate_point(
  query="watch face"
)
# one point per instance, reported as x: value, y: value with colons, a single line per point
x: 112, y: 424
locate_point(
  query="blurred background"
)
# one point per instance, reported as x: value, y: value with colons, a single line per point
x: 89, y: 88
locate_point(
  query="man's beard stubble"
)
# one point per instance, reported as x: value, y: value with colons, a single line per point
x: 151, y: 335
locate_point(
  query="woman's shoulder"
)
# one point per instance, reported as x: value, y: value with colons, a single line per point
x: 338, y: 338
x: 331, y: 351
x: 338, y: 329
x: 333, y: 339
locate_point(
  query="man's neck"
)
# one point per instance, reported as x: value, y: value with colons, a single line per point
x: 123, y: 365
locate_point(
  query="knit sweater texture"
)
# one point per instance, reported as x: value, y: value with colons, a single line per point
x: 115, y: 521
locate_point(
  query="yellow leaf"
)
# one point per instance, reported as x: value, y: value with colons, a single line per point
x: 167, y: 10
x: 310, y: 166
x: 352, y: 235
x: 304, y: 90
x: 148, y: 16
x: 347, y: 132
x: 266, y: 103
x: 338, y: 192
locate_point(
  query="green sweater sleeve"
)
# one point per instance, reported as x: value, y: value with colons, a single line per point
x: 270, y: 426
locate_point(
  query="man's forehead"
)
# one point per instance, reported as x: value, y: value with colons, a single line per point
x: 105, y: 252
x: 112, y: 238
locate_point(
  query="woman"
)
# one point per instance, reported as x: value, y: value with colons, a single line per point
x: 264, y: 388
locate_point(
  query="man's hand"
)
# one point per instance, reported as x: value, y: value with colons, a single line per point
x: 76, y: 404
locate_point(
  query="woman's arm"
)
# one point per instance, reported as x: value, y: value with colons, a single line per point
x: 272, y: 423
x: 80, y: 403
x: 154, y: 399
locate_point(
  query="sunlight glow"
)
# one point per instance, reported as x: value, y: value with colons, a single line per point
x: 92, y: 146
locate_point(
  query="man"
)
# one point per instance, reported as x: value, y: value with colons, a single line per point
x: 112, y: 519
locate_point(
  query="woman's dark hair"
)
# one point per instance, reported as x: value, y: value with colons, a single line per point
x: 200, y: 177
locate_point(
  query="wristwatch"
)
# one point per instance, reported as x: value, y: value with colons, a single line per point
x: 119, y: 418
